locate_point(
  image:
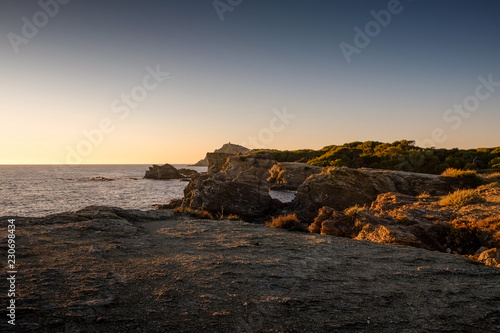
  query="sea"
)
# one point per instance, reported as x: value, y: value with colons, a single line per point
x: 39, y: 190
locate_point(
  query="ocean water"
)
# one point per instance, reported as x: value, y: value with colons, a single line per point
x: 39, y: 190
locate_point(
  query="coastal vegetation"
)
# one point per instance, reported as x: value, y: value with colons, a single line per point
x: 438, y: 208
x: 461, y: 198
x: 400, y: 155
x: 198, y: 213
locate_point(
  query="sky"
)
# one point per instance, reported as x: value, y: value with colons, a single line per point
x: 140, y: 82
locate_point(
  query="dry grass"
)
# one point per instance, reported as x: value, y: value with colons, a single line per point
x: 232, y: 217
x: 491, y: 185
x: 491, y: 223
x: 354, y: 210
x: 458, y: 173
x: 289, y: 222
x: 424, y: 195
x: 198, y: 213
x: 461, y: 198
x: 495, y: 175
x: 403, y: 219
x: 470, y: 177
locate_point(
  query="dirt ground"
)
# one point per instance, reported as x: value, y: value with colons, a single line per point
x: 184, y: 275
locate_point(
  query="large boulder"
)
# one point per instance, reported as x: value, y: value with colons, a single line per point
x: 290, y: 175
x: 234, y: 184
x: 254, y: 168
x: 165, y: 171
x: 489, y: 257
x: 393, y: 218
x: 216, y: 161
x: 188, y: 173
x: 247, y: 200
x: 341, y: 188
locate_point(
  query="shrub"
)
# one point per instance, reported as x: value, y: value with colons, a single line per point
x: 466, y: 178
x: 461, y: 198
x: 354, y: 210
x: 495, y: 163
x: 491, y: 223
x: 202, y: 214
x: 289, y: 222
x: 469, y: 177
x: 458, y: 173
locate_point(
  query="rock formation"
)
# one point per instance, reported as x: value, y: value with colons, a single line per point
x: 341, y: 188
x: 228, y: 148
x: 202, y: 162
x: 233, y: 185
x: 290, y: 175
x: 165, y: 171
x: 393, y: 218
x: 365, y: 204
x: 188, y: 173
x: 396, y: 218
x: 489, y: 257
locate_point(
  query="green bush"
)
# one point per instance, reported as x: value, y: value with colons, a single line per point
x: 495, y: 163
x: 400, y: 155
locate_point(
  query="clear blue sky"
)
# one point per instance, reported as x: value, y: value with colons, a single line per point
x: 65, y: 86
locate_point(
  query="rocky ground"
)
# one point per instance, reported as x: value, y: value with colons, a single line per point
x: 110, y: 270
x: 423, y: 222
x: 384, y: 206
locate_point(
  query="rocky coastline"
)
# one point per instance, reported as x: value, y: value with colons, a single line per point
x: 384, y: 206
x: 383, y: 252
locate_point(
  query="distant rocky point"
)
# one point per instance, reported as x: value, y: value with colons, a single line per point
x: 228, y: 148
x: 101, y: 179
x: 167, y: 171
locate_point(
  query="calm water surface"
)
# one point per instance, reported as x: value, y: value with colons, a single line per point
x: 31, y: 190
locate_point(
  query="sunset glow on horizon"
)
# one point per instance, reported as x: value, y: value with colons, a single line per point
x: 165, y: 82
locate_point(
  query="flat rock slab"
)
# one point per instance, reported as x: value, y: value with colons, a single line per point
x: 185, y: 275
